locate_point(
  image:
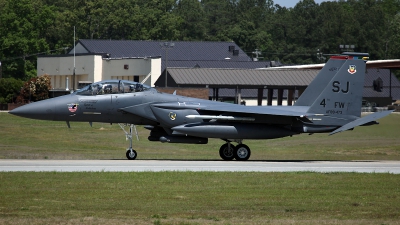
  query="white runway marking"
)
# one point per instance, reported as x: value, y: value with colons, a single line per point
x: 218, y: 166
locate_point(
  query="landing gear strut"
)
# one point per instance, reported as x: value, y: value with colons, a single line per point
x: 228, y: 151
x: 131, y: 154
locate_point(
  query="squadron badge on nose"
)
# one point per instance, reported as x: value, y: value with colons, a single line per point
x: 72, y: 107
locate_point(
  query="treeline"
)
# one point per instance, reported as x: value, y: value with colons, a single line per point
x: 291, y: 35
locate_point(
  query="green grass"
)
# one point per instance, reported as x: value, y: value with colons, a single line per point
x: 199, y: 198
x: 33, y: 139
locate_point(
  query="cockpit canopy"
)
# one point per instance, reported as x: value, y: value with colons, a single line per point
x: 112, y: 87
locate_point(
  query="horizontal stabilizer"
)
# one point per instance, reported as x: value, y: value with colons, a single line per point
x: 362, y: 121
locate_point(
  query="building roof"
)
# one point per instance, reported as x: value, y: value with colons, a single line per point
x: 182, y: 51
x: 245, y: 78
x: 226, y: 64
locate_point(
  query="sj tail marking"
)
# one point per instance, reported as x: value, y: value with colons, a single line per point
x: 336, y: 87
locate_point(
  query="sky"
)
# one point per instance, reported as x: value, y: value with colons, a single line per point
x: 292, y: 3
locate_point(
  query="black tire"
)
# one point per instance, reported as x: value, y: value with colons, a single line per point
x: 242, y: 152
x: 131, y: 155
x: 225, y: 153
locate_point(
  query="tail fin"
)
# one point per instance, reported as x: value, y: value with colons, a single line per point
x: 317, y: 85
x: 343, y: 94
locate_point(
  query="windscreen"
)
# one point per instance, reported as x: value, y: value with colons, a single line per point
x: 112, y: 87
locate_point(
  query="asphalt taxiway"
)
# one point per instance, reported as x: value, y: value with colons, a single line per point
x: 180, y: 165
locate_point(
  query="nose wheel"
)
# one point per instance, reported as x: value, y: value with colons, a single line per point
x: 131, y: 154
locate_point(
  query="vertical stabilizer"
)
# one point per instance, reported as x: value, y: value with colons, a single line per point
x: 317, y: 85
x: 343, y: 94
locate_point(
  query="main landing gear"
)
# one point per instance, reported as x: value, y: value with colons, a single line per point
x: 131, y: 154
x: 228, y: 151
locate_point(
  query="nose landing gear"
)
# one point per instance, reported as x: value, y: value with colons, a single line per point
x: 131, y: 154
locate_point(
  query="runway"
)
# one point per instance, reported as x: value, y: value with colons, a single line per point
x: 197, y: 166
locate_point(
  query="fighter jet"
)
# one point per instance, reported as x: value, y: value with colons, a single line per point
x: 330, y: 104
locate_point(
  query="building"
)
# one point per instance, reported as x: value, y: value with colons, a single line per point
x: 92, y: 67
x: 222, y: 67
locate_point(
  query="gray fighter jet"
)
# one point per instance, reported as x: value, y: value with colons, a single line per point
x: 330, y: 104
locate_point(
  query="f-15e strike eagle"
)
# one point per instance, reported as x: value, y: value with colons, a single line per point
x: 330, y: 104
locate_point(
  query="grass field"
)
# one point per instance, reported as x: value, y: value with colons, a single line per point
x: 189, y: 197
x: 34, y: 139
x: 199, y: 198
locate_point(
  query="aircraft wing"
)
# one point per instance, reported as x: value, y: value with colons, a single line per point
x: 218, y: 111
x: 261, y: 110
x: 362, y: 121
x: 298, y: 111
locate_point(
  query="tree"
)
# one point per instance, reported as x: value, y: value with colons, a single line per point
x: 193, y: 25
x: 251, y: 30
x: 302, y: 33
x: 392, y: 32
x: 161, y: 22
x: 372, y: 25
x: 9, y: 89
x: 292, y: 35
x: 392, y: 44
x: 279, y: 25
x: 35, y: 89
x: 220, y: 18
x: 24, y: 26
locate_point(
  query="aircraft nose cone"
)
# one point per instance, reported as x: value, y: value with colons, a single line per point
x: 42, y: 110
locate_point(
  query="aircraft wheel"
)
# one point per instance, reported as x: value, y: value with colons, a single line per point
x: 227, y: 153
x: 131, y: 154
x: 242, y: 152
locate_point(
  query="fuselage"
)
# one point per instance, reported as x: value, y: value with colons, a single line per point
x: 117, y: 101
